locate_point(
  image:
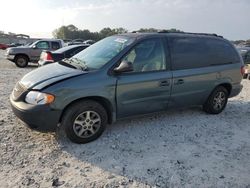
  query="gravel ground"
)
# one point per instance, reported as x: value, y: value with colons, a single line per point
x: 180, y: 148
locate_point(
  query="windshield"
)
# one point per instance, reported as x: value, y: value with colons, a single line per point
x: 100, y: 53
x: 30, y: 44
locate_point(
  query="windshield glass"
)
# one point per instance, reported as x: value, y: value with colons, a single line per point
x: 100, y: 53
x: 30, y: 44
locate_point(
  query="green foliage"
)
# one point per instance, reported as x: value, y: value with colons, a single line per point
x: 72, y: 32
x: 147, y: 30
x: 153, y: 30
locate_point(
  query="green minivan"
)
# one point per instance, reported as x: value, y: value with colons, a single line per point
x: 127, y: 75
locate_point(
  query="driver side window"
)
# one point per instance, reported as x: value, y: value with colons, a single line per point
x: 147, y: 56
x: 42, y: 45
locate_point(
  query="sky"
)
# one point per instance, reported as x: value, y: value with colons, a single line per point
x: 38, y: 18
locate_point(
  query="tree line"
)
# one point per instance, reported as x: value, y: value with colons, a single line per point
x: 72, y: 32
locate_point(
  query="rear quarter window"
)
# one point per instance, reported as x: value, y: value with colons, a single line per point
x: 55, y: 45
x: 197, y: 52
x: 221, y: 52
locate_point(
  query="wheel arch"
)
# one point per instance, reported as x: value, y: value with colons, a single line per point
x: 101, y: 100
x: 22, y: 54
x: 228, y: 87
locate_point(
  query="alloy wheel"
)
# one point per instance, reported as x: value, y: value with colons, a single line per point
x: 219, y: 100
x: 87, y: 124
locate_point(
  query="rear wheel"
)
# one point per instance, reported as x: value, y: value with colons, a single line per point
x: 85, y: 121
x: 217, y: 101
x: 21, y: 61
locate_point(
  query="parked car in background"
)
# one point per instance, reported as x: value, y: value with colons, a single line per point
x: 246, y: 59
x: 245, y: 53
x: 127, y: 75
x: 22, y: 55
x: 80, y: 41
x: 90, y: 42
x: 48, y: 57
x: 75, y: 42
x: 3, y: 46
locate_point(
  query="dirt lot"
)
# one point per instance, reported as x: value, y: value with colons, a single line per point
x: 181, y: 148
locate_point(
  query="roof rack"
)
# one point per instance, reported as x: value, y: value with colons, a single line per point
x: 182, y: 32
x: 208, y: 34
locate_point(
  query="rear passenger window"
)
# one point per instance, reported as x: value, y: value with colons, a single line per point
x: 79, y: 50
x: 188, y: 53
x: 73, y: 52
x: 195, y: 52
x: 55, y: 45
x: 69, y: 53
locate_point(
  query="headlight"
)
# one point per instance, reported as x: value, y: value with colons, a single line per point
x: 9, y: 51
x: 37, y: 98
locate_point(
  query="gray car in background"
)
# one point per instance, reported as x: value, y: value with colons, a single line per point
x: 22, y: 55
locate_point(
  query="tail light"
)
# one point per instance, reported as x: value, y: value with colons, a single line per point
x: 48, y: 57
x: 242, y: 70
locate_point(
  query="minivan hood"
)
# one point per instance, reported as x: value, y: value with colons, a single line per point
x: 46, y: 75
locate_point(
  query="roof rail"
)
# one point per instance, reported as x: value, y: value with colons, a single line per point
x: 208, y: 34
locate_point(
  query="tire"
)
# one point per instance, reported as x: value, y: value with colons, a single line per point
x: 217, y: 101
x: 84, y: 121
x: 21, y: 61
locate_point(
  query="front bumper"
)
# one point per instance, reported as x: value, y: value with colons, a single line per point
x: 10, y: 57
x: 40, y: 117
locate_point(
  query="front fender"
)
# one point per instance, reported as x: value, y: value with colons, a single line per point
x: 85, y: 86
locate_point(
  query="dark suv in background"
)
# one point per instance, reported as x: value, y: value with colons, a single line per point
x: 22, y: 55
x: 127, y: 75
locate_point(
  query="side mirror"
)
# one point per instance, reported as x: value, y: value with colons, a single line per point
x: 34, y: 47
x: 125, y: 66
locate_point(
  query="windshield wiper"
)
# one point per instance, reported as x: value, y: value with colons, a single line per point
x: 77, y: 63
x: 80, y: 62
x: 66, y: 63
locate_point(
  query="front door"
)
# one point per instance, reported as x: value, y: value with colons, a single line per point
x: 37, y: 50
x: 147, y: 88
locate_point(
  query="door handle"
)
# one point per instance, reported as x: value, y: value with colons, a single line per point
x: 164, y: 83
x: 179, y: 81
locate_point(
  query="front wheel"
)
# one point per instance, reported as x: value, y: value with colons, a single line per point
x: 85, y: 121
x: 217, y: 101
x: 21, y: 61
